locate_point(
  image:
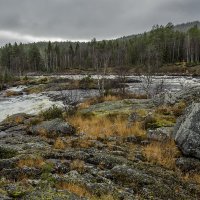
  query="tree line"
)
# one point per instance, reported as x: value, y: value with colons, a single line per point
x: 149, y: 51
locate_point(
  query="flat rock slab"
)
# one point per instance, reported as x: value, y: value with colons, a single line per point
x: 53, y: 128
x: 123, y: 106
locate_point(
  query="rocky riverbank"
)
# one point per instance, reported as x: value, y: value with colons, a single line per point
x: 104, y: 148
x: 49, y: 156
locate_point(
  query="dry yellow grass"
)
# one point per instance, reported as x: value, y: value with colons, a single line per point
x: 96, y: 100
x: 164, y: 154
x: 77, y: 165
x: 132, y: 148
x: 103, y: 126
x: 192, y: 177
x: 83, y: 143
x: 59, y: 144
x: 82, y: 191
x: 111, y: 98
x: 37, y: 162
x: 79, y: 190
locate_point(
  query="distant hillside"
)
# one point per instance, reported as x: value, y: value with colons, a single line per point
x: 186, y: 26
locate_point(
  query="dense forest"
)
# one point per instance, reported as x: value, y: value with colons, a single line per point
x: 148, y: 51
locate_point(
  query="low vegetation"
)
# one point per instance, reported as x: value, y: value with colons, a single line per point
x: 51, y: 113
x: 34, y: 161
x: 104, y: 126
x: 79, y: 190
x: 162, y: 153
x: 78, y: 165
x: 59, y: 144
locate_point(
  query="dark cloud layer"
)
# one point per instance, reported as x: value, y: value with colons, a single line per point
x: 32, y: 20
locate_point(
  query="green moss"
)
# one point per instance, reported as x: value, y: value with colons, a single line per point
x: 158, y: 121
x: 17, y: 194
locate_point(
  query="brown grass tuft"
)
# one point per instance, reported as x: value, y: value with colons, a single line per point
x: 37, y: 162
x: 79, y: 190
x: 96, y: 100
x: 192, y: 177
x: 164, y: 154
x: 59, y: 144
x: 78, y: 165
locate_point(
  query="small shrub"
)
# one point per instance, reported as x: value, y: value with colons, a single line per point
x: 47, y: 167
x: 25, y: 78
x: 6, y: 153
x: 87, y: 83
x: 52, y: 113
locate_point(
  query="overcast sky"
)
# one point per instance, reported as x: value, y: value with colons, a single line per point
x: 39, y: 20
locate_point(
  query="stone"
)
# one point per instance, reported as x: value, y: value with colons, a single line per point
x: 160, y: 134
x: 187, y: 131
x: 190, y: 94
x: 188, y: 164
x: 54, y: 128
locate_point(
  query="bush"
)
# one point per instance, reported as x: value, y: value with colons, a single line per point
x: 86, y: 82
x: 6, y: 153
x: 52, y: 113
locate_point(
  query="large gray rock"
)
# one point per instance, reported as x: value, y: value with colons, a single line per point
x: 53, y: 128
x: 189, y: 94
x: 187, y: 131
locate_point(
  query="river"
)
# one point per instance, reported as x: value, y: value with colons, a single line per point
x: 35, y: 103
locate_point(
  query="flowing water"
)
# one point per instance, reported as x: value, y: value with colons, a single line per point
x: 34, y: 103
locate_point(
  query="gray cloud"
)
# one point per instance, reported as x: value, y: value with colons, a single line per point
x: 28, y: 20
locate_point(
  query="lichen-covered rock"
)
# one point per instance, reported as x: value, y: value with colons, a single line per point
x: 188, y: 164
x: 187, y: 131
x: 106, y: 160
x: 53, y: 128
x: 160, y: 134
x: 15, y: 119
x: 17, y: 173
x: 50, y: 193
